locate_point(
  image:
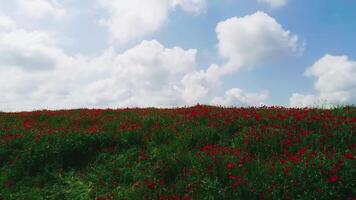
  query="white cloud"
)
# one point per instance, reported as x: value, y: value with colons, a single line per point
x: 195, y: 6
x: 38, y: 9
x: 274, y: 3
x: 28, y: 50
x: 134, y: 19
x: 199, y: 86
x: 254, y: 39
x: 146, y: 75
x: 45, y: 77
x: 300, y: 100
x: 237, y: 97
x: 335, y: 84
x: 6, y: 23
x: 149, y: 74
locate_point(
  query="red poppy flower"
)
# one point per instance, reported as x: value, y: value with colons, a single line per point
x: 27, y: 124
x: 349, y: 156
x: 302, y: 151
x: 333, y: 179
x: 237, y: 152
x: 230, y: 166
x: 294, y: 159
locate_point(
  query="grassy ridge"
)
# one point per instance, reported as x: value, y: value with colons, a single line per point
x: 200, y: 152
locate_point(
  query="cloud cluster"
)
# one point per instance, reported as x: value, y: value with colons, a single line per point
x: 38, y: 9
x: 45, y: 77
x: 6, y: 23
x: 255, y: 39
x: 237, y: 97
x: 28, y: 50
x: 244, y: 42
x: 335, y: 82
x: 300, y: 100
x: 134, y: 19
x: 35, y: 73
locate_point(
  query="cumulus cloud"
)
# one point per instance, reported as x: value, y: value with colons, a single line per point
x: 40, y: 8
x: 335, y: 82
x: 130, y: 20
x: 6, y: 23
x: 274, y: 3
x: 238, y: 97
x: 44, y: 77
x: 28, y: 50
x: 148, y: 74
x: 300, y: 100
x: 255, y: 39
x: 199, y: 86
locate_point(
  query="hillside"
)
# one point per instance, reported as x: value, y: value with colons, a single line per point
x: 200, y: 152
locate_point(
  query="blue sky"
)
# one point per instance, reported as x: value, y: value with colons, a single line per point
x: 163, y: 53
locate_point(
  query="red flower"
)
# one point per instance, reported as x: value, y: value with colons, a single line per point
x: 27, y: 124
x: 207, y: 148
x: 302, y: 151
x: 213, y: 152
x: 93, y: 129
x: 257, y: 116
x: 230, y: 166
x: 150, y: 184
x: 294, y: 159
x: 237, y: 152
x: 333, y: 179
x: 349, y: 156
x: 287, y: 142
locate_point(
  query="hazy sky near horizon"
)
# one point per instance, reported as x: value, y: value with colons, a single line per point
x: 57, y: 54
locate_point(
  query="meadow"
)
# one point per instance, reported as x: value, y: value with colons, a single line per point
x: 199, y: 152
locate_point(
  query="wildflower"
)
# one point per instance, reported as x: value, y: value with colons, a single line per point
x: 27, y: 124
x: 302, y: 151
x: 207, y: 147
x: 349, y: 156
x: 237, y: 152
x: 230, y: 166
x: 150, y: 184
x: 294, y: 159
x: 333, y: 179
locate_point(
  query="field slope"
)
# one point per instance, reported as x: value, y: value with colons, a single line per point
x: 200, y: 152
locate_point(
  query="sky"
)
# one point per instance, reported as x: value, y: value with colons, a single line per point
x: 65, y: 54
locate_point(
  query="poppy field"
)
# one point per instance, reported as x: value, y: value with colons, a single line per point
x: 199, y: 152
